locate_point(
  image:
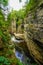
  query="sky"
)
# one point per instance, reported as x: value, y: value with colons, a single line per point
x: 16, y: 5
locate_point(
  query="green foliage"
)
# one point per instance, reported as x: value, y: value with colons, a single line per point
x: 4, y: 31
x: 17, y: 16
x: 4, y: 28
x: 9, y: 52
x: 4, y: 34
x: 20, y: 63
x: 7, y: 61
x: 12, y: 15
x: 21, y: 14
x: 34, y: 64
x: 32, y: 4
x: 4, y: 2
x: 16, y: 61
x: 4, y: 61
x: 18, y: 22
x: 5, y: 38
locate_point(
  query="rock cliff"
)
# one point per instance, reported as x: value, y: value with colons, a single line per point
x: 34, y: 33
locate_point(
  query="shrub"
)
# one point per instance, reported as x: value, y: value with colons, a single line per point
x: 4, y: 61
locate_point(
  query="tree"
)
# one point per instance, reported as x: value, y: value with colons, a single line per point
x: 4, y: 36
x: 4, y: 2
x: 31, y: 5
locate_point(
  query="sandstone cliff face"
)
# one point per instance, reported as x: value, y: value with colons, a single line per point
x: 34, y: 33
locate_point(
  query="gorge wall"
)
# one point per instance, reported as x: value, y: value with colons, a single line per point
x: 33, y: 29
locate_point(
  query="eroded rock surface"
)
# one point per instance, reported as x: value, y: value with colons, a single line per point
x: 34, y: 33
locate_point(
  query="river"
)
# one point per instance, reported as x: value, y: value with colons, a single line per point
x: 19, y: 53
